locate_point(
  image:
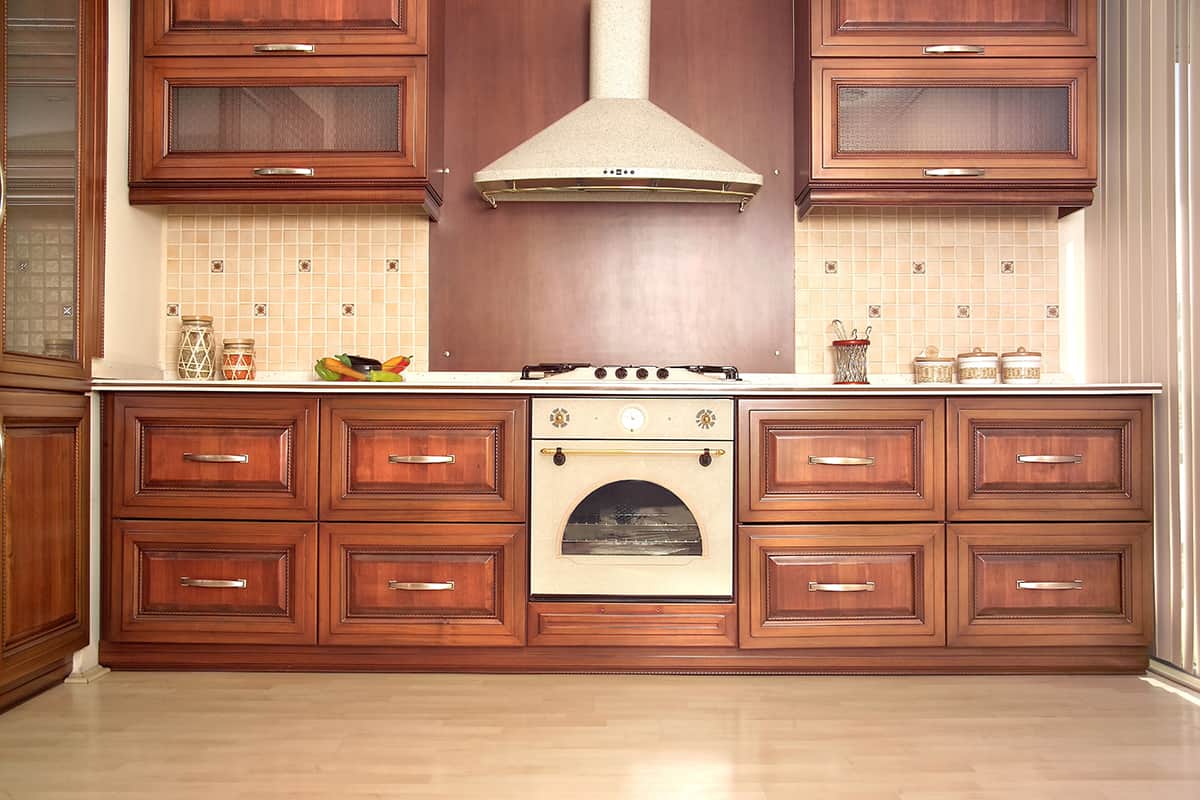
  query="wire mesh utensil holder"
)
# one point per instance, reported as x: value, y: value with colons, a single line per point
x: 850, y: 360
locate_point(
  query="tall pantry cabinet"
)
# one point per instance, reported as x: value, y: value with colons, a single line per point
x: 52, y: 81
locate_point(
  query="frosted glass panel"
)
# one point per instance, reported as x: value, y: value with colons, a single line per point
x: 632, y: 518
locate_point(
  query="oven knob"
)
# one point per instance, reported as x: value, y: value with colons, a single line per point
x: 601, y: 373
x: 643, y: 373
x: 663, y: 373
x: 622, y: 372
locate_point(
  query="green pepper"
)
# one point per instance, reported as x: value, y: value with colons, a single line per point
x: 324, y: 373
x: 383, y: 376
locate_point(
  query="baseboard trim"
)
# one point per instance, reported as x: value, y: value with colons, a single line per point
x: 1174, y: 674
x: 87, y: 676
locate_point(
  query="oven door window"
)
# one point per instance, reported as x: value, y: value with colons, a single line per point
x: 632, y: 518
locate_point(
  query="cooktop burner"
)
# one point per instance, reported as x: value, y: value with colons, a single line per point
x: 632, y: 372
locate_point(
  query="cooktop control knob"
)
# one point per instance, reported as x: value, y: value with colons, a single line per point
x: 663, y: 373
x: 601, y: 373
x: 622, y: 373
x: 643, y: 373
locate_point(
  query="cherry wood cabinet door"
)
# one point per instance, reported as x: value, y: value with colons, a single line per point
x: 981, y: 122
x: 212, y: 582
x: 1062, y: 584
x: 1050, y: 458
x: 841, y: 586
x: 952, y: 28
x: 213, y: 456
x: 43, y: 533
x: 424, y: 459
x: 435, y: 584
x: 839, y: 459
x: 277, y: 28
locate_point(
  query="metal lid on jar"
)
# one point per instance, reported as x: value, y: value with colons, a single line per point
x: 1021, y: 352
x: 197, y: 319
x: 930, y: 356
x: 977, y: 353
x: 238, y: 342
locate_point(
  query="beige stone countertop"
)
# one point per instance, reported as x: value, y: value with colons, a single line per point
x: 510, y: 383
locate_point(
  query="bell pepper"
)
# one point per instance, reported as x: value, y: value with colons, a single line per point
x: 383, y: 376
x: 337, y: 366
x: 397, y: 364
x: 324, y: 373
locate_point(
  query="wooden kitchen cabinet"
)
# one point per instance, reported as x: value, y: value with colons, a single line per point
x: 1060, y: 584
x: 841, y: 459
x: 950, y: 28
x: 43, y: 539
x: 270, y: 28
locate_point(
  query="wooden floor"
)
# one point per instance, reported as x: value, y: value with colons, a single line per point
x: 230, y: 736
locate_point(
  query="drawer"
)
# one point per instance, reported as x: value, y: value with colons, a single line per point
x: 212, y: 582
x: 1063, y: 584
x: 633, y: 624
x: 1051, y: 458
x: 425, y: 459
x: 840, y: 459
x: 841, y: 586
x: 214, y: 457
x: 444, y: 585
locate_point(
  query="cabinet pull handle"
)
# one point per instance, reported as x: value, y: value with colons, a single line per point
x: 842, y: 461
x: 421, y: 459
x: 442, y: 171
x: 302, y: 172
x: 815, y: 586
x: 421, y: 586
x: 217, y: 458
x: 285, y: 47
x: 1051, y: 586
x: 211, y: 583
x: 953, y: 49
x: 955, y: 172
x: 1024, y: 459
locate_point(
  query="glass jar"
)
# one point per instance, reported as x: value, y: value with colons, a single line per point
x: 237, y: 360
x: 196, y: 349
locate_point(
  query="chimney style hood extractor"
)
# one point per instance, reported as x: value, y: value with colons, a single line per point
x: 618, y: 146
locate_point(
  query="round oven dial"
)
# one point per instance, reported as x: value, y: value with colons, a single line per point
x: 632, y: 418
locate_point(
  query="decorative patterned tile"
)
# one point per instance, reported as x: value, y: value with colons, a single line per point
x: 304, y: 265
x: 1008, y: 268
x: 217, y: 266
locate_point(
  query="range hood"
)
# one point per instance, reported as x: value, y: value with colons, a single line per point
x: 618, y: 146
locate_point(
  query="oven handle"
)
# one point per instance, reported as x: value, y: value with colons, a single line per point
x: 705, y: 453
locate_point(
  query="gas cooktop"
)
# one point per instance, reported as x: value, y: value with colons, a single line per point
x: 634, y: 373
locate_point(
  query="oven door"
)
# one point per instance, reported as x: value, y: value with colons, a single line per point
x: 632, y: 518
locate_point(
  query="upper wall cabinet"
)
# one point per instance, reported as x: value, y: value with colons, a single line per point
x: 298, y: 102
x: 953, y: 27
x: 981, y: 104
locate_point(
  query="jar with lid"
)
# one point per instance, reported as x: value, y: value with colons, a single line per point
x: 1021, y: 367
x: 237, y: 360
x: 929, y: 367
x: 196, y: 348
x: 978, y: 368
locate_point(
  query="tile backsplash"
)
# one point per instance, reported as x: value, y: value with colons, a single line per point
x: 948, y: 277
x: 303, y: 281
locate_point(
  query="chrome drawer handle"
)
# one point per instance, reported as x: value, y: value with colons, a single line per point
x: 952, y: 49
x: 304, y: 172
x: 421, y: 459
x: 1024, y: 459
x: 285, y: 48
x: 1050, y: 586
x: 210, y: 583
x: 633, y: 451
x: 841, y: 461
x: 954, y: 172
x: 814, y: 586
x: 421, y: 586
x: 217, y: 458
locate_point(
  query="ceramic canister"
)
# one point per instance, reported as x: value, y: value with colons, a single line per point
x: 1021, y: 367
x: 929, y: 367
x: 978, y: 368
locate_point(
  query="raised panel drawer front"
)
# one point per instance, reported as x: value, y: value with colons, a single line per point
x: 1067, y: 458
x: 919, y: 124
x: 433, y: 584
x: 268, y: 28
x: 1061, y: 584
x: 425, y: 459
x: 214, y: 457
x: 841, y: 586
x: 839, y: 459
x: 633, y: 624
x: 213, y: 582
x: 951, y: 29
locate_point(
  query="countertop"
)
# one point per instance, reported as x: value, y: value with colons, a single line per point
x: 510, y: 383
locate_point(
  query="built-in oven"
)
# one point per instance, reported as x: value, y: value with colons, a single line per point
x: 632, y: 497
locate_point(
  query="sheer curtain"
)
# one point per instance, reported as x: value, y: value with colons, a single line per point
x: 1140, y: 304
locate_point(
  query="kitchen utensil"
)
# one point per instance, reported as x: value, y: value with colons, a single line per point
x: 839, y: 329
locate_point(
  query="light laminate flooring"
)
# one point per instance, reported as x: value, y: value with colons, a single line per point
x: 180, y: 736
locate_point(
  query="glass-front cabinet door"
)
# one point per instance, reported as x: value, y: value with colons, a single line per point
x: 52, y: 231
